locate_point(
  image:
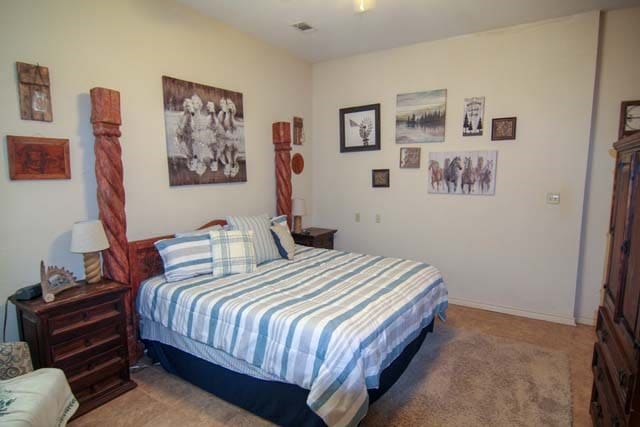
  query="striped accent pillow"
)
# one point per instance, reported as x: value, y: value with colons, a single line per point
x: 284, y: 240
x: 232, y: 252
x: 185, y: 257
x: 265, y: 246
x: 280, y: 220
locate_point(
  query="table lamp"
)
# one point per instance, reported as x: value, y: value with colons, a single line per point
x: 88, y: 238
x: 298, y: 211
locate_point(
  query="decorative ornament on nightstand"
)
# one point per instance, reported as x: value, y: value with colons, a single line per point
x: 54, y: 280
x: 88, y: 238
x: 298, y: 211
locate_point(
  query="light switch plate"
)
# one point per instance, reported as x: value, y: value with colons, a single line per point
x: 358, y: 217
x: 553, y: 198
x: 377, y: 218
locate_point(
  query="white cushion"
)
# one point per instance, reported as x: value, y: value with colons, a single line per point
x: 265, y: 246
x: 200, y: 232
x: 185, y: 257
x: 284, y: 240
x: 232, y: 252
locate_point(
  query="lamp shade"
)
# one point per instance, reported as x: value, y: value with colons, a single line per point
x: 88, y: 236
x: 298, y: 208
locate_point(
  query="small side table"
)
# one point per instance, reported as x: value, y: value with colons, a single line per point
x: 315, y: 237
x: 84, y: 333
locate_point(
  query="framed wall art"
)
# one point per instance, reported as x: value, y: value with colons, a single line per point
x: 420, y: 116
x: 34, y: 92
x: 409, y: 157
x: 503, y: 128
x: 297, y: 163
x: 629, y: 118
x: 33, y: 157
x: 205, y: 133
x: 464, y: 172
x: 360, y: 128
x: 380, y: 178
x: 298, y: 131
x: 473, y: 116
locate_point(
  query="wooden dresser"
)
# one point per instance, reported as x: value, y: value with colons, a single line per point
x: 615, y: 399
x: 83, y: 332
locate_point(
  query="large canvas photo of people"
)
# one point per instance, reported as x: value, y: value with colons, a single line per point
x: 205, y: 133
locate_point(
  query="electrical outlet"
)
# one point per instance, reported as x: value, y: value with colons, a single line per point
x: 377, y: 218
x: 357, y: 216
x: 553, y: 198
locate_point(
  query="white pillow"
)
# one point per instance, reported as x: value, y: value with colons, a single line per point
x: 200, y: 232
x: 284, y: 240
x: 232, y: 252
x: 266, y: 249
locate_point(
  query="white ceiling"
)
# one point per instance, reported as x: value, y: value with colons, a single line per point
x: 341, y: 32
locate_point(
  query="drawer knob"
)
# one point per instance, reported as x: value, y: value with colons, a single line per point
x: 85, y: 315
x: 87, y: 342
x: 623, y: 377
x: 615, y: 421
x: 90, y: 366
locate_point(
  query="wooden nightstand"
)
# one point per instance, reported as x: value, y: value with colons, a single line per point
x: 84, y: 333
x: 315, y: 237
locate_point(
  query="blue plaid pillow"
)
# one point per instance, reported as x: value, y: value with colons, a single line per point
x: 232, y: 252
x: 265, y: 246
x: 185, y: 257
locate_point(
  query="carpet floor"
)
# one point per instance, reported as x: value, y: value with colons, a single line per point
x: 462, y: 376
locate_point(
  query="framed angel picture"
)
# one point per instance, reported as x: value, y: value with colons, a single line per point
x: 360, y: 128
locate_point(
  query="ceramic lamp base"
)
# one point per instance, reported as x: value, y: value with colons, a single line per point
x: 92, y: 267
x: 297, y: 224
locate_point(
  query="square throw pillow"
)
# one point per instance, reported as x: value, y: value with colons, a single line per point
x: 280, y: 219
x: 185, y: 257
x: 204, y: 231
x: 284, y: 240
x: 266, y: 249
x: 232, y: 252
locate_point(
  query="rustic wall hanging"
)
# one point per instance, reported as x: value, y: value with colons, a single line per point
x: 297, y: 163
x: 35, y: 95
x: 38, y: 158
x: 298, y: 131
x: 54, y: 280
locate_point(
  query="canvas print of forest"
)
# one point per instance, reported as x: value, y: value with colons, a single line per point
x: 420, y: 116
x: 463, y: 172
x: 205, y: 133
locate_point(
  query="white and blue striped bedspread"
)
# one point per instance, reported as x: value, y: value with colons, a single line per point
x: 328, y: 321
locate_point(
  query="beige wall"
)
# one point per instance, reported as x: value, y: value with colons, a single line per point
x: 618, y: 81
x: 129, y: 45
x: 511, y: 252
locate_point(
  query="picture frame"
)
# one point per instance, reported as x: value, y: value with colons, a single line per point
x: 469, y: 173
x: 298, y: 131
x: 380, y: 178
x: 503, y: 128
x: 421, y: 117
x: 629, y: 118
x: 33, y: 157
x: 34, y: 91
x: 410, y: 158
x: 360, y: 128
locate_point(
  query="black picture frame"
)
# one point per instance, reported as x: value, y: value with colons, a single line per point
x: 385, y: 178
x: 624, y: 105
x: 344, y: 112
x: 496, y: 134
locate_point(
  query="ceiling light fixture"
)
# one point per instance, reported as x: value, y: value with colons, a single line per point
x: 361, y: 6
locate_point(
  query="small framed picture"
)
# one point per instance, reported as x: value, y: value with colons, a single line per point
x: 380, y: 178
x: 503, y: 128
x: 360, y: 128
x: 629, y: 118
x: 38, y: 158
x: 410, y: 158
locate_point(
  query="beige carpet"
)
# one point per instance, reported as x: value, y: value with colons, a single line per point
x: 458, y: 378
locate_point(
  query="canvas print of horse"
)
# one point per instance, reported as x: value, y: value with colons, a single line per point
x: 464, y: 172
x: 473, y: 116
x: 420, y: 116
x: 205, y: 133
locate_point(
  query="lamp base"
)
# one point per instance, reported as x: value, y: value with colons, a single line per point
x: 92, y: 267
x: 297, y: 224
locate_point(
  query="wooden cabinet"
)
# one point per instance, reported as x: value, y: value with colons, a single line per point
x: 315, y: 237
x: 84, y: 333
x: 615, y: 399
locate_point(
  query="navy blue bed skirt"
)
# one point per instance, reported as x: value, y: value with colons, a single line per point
x: 281, y: 403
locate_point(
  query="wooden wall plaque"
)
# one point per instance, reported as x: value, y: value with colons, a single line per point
x: 32, y: 157
x: 34, y: 91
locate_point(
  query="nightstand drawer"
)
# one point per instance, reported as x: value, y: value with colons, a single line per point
x: 99, y: 340
x: 108, y: 364
x: 90, y: 316
x: 105, y: 381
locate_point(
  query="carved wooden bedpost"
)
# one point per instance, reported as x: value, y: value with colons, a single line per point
x: 282, y: 146
x: 105, y: 118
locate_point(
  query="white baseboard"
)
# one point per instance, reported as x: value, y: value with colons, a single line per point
x: 514, y: 311
x: 591, y: 321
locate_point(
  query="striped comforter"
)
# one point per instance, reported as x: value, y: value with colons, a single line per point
x: 328, y: 321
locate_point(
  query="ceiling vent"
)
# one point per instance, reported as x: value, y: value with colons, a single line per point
x: 303, y: 27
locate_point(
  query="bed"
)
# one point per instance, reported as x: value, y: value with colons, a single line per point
x: 307, y: 342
